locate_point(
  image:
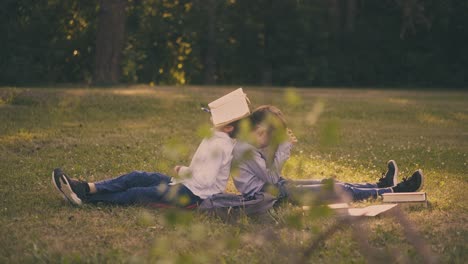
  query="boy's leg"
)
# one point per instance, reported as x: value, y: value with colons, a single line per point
x: 321, y: 191
x: 388, y: 179
x: 321, y: 181
x: 78, y: 192
x: 305, y: 181
x: 131, y: 180
x: 364, y: 185
x: 180, y: 195
x: 412, y: 184
x: 177, y: 195
x: 305, y: 194
x: 359, y: 194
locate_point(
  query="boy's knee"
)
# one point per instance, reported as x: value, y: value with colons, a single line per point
x: 136, y: 173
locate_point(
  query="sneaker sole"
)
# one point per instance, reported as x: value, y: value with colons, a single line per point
x: 422, y: 180
x: 58, y: 188
x: 395, y: 178
x: 69, y: 193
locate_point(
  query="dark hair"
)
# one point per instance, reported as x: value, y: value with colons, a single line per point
x: 262, y: 113
x: 236, y: 126
x: 273, y: 119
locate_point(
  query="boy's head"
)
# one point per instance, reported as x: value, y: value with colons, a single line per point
x: 232, y: 129
x: 229, y: 111
x: 268, y: 126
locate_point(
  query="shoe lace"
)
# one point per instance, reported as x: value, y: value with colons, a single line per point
x: 382, y: 178
x: 78, y: 185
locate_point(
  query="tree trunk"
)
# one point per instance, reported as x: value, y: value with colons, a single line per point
x: 334, y: 12
x: 350, y: 16
x: 109, y: 41
x: 412, y: 14
x: 210, y: 52
x: 268, y: 26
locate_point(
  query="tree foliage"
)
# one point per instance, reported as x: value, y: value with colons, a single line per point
x: 270, y: 42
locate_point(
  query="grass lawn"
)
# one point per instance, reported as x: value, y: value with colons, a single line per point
x: 98, y: 133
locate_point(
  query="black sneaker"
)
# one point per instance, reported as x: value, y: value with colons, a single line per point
x: 57, y: 184
x: 73, y: 190
x: 412, y: 184
x: 390, y: 178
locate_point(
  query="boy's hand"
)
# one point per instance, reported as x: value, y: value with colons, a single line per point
x: 177, y: 169
x: 292, y: 137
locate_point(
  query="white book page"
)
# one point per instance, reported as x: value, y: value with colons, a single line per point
x: 372, y: 210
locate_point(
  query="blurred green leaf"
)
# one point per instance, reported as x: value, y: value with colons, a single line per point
x: 292, y: 98
x: 295, y: 220
x: 204, y: 131
x: 330, y: 133
x: 145, y: 219
x: 174, y: 217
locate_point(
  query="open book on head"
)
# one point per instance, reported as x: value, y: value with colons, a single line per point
x: 229, y: 108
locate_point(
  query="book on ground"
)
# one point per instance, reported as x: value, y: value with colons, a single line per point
x: 372, y: 210
x: 404, y: 197
x: 331, y: 206
x: 338, y: 206
x: 229, y: 108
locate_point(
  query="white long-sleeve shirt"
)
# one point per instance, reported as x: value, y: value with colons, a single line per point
x: 209, y: 169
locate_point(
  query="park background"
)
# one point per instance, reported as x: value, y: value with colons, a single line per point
x: 102, y: 88
x: 404, y: 43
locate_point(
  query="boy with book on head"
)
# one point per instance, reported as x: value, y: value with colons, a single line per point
x: 207, y: 174
x: 258, y: 163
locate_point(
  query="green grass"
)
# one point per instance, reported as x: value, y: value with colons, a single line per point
x: 99, y: 133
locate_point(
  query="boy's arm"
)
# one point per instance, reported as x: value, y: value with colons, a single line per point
x: 183, y: 171
x: 282, y: 154
x: 252, y: 165
x: 211, y: 168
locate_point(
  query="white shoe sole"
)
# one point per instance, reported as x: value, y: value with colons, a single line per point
x: 67, y: 191
x: 58, y: 189
x: 395, y: 178
x: 422, y: 180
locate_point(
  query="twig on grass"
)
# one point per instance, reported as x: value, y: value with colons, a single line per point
x: 361, y: 237
x: 323, y: 237
x: 414, y: 238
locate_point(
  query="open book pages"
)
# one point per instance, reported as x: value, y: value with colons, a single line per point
x: 229, y: 108
x: 372, y: 210
x: 331, y: 206
x: 404, y: 197
x: 344, y: 209
x: 338, y: 206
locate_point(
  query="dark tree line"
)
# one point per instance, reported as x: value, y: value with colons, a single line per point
x: 262, y: 42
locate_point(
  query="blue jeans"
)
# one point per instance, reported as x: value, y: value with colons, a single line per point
x: 358, y: 191
x: 140, y: 187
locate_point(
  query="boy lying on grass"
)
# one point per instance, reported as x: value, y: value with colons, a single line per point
x: 207, y: 174
x: 254, y: 173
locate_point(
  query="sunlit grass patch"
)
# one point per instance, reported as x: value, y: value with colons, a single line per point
x: 322, y: 167
x: 18, y: 137
x: 432, y: 119
x: 344, y: 134
x: 461, y: 116
x: 8, y: 95
x: 399, y: 101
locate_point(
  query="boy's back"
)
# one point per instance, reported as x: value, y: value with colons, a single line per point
x: 209, y: 169
x: 253, y: 171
